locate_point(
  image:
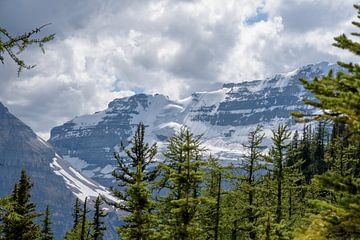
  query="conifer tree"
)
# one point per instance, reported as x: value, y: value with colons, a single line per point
x: 98, y: 223
x: 278, y: 154
x: 134, y: 174
x: 46, y: 232
x: 13, y: 45
x: 24, y: 227
x: 7, y: 212
x: 338, y: 96
x: 339, y: 99
x: 249, y: 183
x: 210, y: 213
x: 76, y: 212
x: 181, y: 177
x: 82, y: 230
x: 279, y: 183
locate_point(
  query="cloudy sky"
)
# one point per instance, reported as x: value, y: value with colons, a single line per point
x: 106, y: 49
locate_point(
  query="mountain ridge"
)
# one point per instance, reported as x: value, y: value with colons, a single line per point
x: 223, y: 116
x: 56, y: 183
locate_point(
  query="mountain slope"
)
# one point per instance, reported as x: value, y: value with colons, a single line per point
x: 224, y: 117
x: 56, y: 183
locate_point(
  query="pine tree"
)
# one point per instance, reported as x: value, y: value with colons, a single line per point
x: 282, y: 188
x: 339, y: 99
x: 278, y: 154
x: 338, y: 96
x: 98, y: 223
x: 134, y: 174
x: 76, y: 213
x: 249, y: 183
x: 82, y: 230
x: 181, y: 177
x: 210, y: 213
x: 46, y: 232
x: 7, y: 213
x: 24, y: 227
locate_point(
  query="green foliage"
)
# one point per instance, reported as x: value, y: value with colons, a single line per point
x: 249, y: 181
x: 13, y: 46
x: 210, y: 213
x: 98, y: 223
x: 76, y: 212
x: 339, y: 96
x: 83, y: 229
x: 181, y: 178
x: 337, y: 215
x: 7, y: 206
x: 21, y: 225
x: 133, y: 175
x: 46, y: 232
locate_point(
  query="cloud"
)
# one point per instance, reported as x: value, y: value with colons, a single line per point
x: 108, y: 49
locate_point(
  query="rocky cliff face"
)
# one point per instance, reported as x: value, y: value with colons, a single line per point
x: 56, y: 182
x: 224, y: 117
x: 20, y: 148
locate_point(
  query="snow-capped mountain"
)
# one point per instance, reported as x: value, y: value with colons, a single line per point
x: 224, y: 117
x: 56, y: 182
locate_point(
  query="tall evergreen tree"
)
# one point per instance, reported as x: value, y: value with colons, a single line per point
x: 338, y: 96
x: 24, y: 227
x: 46, y: 232
x: 278, y: 154
x: 210, y: 213
x: 7, y: 212
x: 339, y: 99
x: 82, y: 230
x: 181, y: 177
x: 134, y: 174
x: 251, y: 166
x: 76, y: 212
x: 98, y: 223
x: 282, y: 184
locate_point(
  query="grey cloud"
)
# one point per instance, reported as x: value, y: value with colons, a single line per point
x: 171, y: 47
x: 304, y: 15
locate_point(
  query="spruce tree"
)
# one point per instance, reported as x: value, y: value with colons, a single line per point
x: 46, y: 232
x: 338, y: 96
x: 76, y: 212
x: 98, y: 223
x: 283, y: 184
x: 249, y: 180
x: 134, y: 174
x: 181, y: 177
x: 278, y: 154
x: 7, y: 212
x: 83, y: 229
x: 24, y: 227
x: 210, y: 213
x: 339, y: 99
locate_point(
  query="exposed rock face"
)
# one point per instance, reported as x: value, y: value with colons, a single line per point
x: 56, y: 182
x: 224, y: 117
x: 20, y: 148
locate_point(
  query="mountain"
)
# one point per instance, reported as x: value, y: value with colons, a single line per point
x: 224, y: 117
x: 56, y: 182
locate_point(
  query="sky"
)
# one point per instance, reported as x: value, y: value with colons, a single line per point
x: 106, y: 49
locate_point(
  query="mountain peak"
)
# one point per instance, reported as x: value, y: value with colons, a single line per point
x: 3, y: 109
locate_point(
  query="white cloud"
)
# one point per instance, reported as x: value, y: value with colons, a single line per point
x: 112, y: 48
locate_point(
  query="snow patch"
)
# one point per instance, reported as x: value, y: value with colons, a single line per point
x: 78, y: 184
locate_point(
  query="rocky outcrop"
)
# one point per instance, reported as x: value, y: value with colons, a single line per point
x: 224, y: 117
